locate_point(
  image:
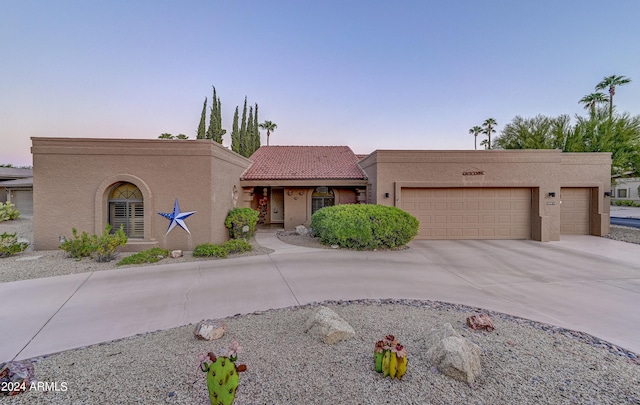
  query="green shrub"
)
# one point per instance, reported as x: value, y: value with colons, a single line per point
x: 8, y: 212
x: 241, y: 223
x: 229, y: 247
x: 9, y: 245
x: 625, y: 203
x: 106, y: 244
x: 364, y: 226
x: 152, y: 255
x: 102, y: 248
x: 78, y: 247
x: 236, y: 246
x: 209, y: 250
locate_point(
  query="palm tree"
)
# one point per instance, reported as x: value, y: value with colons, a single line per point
x: 611, y: 82
x: 488, y: 128
x: 590, y: 101
x: 475, y: 131
x: 270, y: 127
x: 484, y: 143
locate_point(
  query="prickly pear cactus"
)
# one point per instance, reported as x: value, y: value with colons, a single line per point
x: 390, y: 358
x: 222, y: 375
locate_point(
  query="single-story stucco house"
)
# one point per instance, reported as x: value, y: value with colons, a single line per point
x: 152, y: 185
x: 16, y: 187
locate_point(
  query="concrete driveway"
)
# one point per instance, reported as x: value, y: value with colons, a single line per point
x: 584, y: 283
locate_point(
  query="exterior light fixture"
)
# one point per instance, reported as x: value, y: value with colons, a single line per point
x: 386, y: 195
x: 607, y: 193
x: 552, y: 194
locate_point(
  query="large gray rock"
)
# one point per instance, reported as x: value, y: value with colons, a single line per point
x: 302, y: 230
x: 455, y: 356
x: 328, y: 326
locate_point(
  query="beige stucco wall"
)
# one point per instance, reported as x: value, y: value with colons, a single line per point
x: 73, y: 176
x: 544, y: 171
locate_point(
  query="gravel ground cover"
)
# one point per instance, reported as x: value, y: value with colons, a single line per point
x: 524, y: 362
x: 48, y: 263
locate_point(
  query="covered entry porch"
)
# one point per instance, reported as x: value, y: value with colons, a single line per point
x: 293, y: 205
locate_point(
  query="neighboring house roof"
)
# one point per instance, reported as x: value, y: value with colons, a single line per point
x: 25, y: 182
x: 10, y: 173
x: 361, y: 156
x: 304, y: 163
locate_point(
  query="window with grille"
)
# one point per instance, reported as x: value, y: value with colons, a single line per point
x: 622, y: 193
x: 322, y: 197
x: 126, y: 208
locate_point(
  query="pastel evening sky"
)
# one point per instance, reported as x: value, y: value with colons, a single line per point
x: 367, y: 74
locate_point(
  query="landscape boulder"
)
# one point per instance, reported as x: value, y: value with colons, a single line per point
x: 481, y: 321
x: 328, y: 326
x: 455, y: 356
x: 176, y: 253
x: 302, y: 230
x: 209, y: 330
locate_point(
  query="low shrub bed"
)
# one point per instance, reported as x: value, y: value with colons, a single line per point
x: 152, y: 255
x: 101, y: 247
x: 221, y: 251
x: 9, y: 244
x: 625, y: 203
x: 364, y: 226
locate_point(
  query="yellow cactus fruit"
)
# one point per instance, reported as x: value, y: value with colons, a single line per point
x: 386, y: 358
x: 393, y: 365
x: 402, y: 367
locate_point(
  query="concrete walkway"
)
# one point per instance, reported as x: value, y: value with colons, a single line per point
x: 584, y: 283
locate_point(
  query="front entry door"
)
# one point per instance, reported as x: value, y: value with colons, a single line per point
x: 277, y: 205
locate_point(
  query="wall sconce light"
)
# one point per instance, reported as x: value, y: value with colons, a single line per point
x: 607, y: 193
x: 552, y: 194
x: 386, y: 195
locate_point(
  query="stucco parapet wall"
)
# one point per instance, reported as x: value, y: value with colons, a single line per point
x: 453, y: 156
x: 136, y: 147
x: 586, y: 158
x: 304, y: 183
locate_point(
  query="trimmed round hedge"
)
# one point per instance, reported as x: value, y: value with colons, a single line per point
x: 364, y: 226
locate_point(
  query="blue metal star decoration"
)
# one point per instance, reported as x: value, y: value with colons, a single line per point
x: 177, y: 218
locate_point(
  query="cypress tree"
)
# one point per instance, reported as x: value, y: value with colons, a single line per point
x: 201, y: 134
x: 243, y: 130
x: 256, y: 131
x: 212, y: 120
x: 250, y: 150
x: 218, y: 131
x: 235, y: 134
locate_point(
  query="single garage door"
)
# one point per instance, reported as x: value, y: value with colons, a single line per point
x: 23, y: 200
x: 470, y: 213
x: 574, y: 211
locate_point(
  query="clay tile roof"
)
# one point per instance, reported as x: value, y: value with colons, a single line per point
x: 304, y: 163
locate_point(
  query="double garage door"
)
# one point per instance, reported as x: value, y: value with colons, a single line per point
x: 487, y: 213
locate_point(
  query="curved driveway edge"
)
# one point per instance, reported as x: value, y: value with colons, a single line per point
x: 583, y: 283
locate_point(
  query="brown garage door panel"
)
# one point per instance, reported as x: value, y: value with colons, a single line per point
x: 574, y: 211
x: 470, y: 213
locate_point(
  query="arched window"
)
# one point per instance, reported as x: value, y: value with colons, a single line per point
x: 127, y: 208
x: 322, y: 197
